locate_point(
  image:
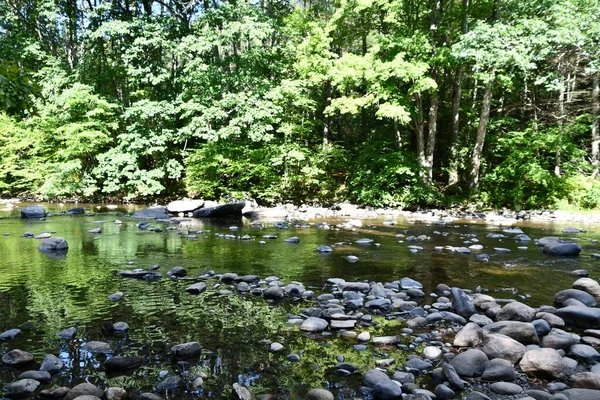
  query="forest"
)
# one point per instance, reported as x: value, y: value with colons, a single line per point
x: 384, y: 103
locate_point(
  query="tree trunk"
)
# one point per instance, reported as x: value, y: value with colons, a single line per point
x: 596, y: 124
x: 420, y: 132
x: 484, y: 118
x: 431, y: 134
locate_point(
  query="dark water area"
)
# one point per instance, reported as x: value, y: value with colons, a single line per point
x: 49, y: 295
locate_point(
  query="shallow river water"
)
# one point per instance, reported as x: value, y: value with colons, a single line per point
x: 43, y: 295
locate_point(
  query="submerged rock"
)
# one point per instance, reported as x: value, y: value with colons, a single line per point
x: 36, y: 211
x: 151, y: 213
x: 54, y: 247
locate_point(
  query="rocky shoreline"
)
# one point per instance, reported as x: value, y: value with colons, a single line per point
x: 467, y: 344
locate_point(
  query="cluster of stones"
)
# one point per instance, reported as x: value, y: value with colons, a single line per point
x: 499, y: 344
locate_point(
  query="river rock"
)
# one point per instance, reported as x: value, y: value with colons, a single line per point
x: 585, y: 353
x: 585, y: 317
x: 115, y: 393
x: 581, y: 394
x: 169, y: 383
x: 84, y: 389
x: 355, y: 286
x: 561, y: 248
x: 21, y: 388
x: 501, y: 346
x: 117, y: 296
x: 151, y: 213
x: 184, y: 206
x: 17, y: 357
x: 523, y: 332
x: 324, y: 249
x: 122, y: 363
x: 241, y: 393
x: 273, y: 293
x: 68, y: 333
x: 471, y: 363
x: 586, y: 380
x: 10, y: 334
x: 452, y: 376
x: 196, y: 288
x: 314, y: 324
x: 505, y: 388
x: 584, y: 297
x: 52, y: 364
x: 186, y: 350
x: 120, y: 327
x: 516, y: 311
x: 54, y: 394
x: 54, y: 246
x: 97, y: 347
x: 319, y: 394
x: 499, y: 369
x: 36, y: 211
x: 387, y: 389
x: 559, y: 339
x: 221, y: 211
x: 149, y: 396
x: 372, y: 376
x: 462, y: 304
x: 40, y: 376
x: 588, y: 285
x: 408, y: 283
x: 544, y: 363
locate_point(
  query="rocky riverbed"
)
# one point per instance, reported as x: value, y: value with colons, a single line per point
x: 392, y: 339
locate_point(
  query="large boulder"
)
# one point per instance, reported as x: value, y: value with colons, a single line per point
x: 561, y: 297
x: 588, y: 285
x: 36, y: 211
x: 585, y: 317
x: 471, y: 363
x: 221, y: 211
x: 516, y: 311
x: 17, y: 357
x: 558, y: 247
x: 501, y: 346
x: 184, y: 206
x: 152, y: 213
x: 54, y: 247
x: 461, y: 302
x: 523, y: 332
x: 544, y: 363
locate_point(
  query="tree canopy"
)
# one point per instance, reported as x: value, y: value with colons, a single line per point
x: 380, y: 102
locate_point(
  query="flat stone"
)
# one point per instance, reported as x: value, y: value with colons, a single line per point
x: 40, y: 376
x: 17, y: 357
x: 505, y: 388
x: 21, y: 388
x: 313, y: 324
x: 186, y: 350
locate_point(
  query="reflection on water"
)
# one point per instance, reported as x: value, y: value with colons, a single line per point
x: 56, y: 293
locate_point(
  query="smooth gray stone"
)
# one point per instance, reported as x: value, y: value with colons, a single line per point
x: 35, y: 211
x: 582, y: 394
x: 585, y: 317
x: 21, y: 388
x: 516, y: 311
x: 452, y: 376
x: 477, y: 396
x: 585, y: 353
x: 470, y: 364
x: 68, y: 333
x: 499, y: 369
x: 523, y: 332
x: 506, y: 388
x: 152, y: 213
x: 186, y: 350
x: 373, y: 376
x: 123, y: 363
x: 40, y: 376
x: 17, y: 357
x: 84, y: 389
x: 387, y: 389
x: 170, y: 383
x: 319, y: 394
x: 10, y: 334
x: 584, y: 297
x: 313, y: 324
x: 52, y: 364
x: 196, y: 288
x: 443, y: 392
x: 463, y: 306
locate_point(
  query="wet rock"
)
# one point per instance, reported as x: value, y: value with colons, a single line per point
x: 545, y: 363
x: 40, y: 376
x: 462, y: 304
x: 177, y: 272
x: 221, y: 210
x: 10, y: 334
x: 314, y: 324
x: 95, y: 231
x: 293, y: 240
x: 21, y: 388
x: 355, y: 286
x: 499, y: 369
x: 97, y: 347
x: 516, y: 311
x: 54, y: 394
x: 115, y: 393
x: 585, y: 317
x: 149, y: 396
x: 186, y: 350
x: 35, y: 211
x: 275, y: 347
x: 443, y: 392
x: 196, y: 288
x: 52, y: 364
x: 54, y: 247
x: 241, y: 393
x: 373, y: 376
x: 584, y: 297
x: 561, y: 248
x: 84, y: 389
x: 387, y: 389
x: 67, y: 334
x: 116, y: 296
x: 471, y: 363
x: 17, y: 357
x: 151, y: 213
x: 319, y: 394
x: 408, y: 283
x: 123, y: 363
x: 273, y: 293
x: 324, y: 249
x: 170, y: 383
